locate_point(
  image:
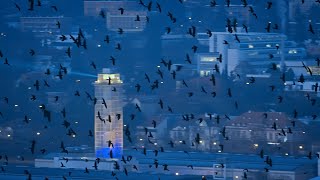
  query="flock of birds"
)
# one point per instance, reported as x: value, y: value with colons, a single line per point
x: 81, y: 42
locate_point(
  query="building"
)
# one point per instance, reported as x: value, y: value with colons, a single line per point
x: 177, y: 46
x: 234, y: 165
x: 114, y: 19
x: 270, y: 131
x: 254, y: 53
x: 109, y: 116
x: 195, y: 10
x: 299, y: 17
x: 206, y: 63
x: 45, y: 27
x: 203, y: 163
x: 310, y: 86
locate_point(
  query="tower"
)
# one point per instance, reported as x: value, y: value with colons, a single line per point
x: 108, y: 119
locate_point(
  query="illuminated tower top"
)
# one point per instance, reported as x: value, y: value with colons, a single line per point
x: 108, y: 77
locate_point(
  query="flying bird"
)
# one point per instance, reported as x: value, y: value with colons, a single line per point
x: 121, y: 10
x: 17, y: 6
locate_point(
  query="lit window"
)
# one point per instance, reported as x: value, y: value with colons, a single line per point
x: 292, y: 51
x: 208, y: 59
x: 268, y: 45
x: 250, y: 46
x: 300, y: 147
x: 202, y: 73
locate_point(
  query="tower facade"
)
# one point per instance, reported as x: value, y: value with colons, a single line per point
x: 108, y: 115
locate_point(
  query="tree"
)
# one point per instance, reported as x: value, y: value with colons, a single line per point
x: 290, y: 75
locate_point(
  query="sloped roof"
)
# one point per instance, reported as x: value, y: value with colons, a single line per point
x: 258, y: 118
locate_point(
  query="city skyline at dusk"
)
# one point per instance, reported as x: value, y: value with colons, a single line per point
x: 167, y: 89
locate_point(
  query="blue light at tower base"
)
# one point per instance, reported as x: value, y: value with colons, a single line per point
x: 105, y: 152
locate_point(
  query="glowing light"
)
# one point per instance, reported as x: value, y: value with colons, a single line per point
x: 16, y: 105
x: 300, y: 147
x: 250, y: 46
x: 247, y: 83
x: 29, y: 87
x: 161, y: 82
x: 83, y: 74
x: 236, y: 177
x: 214, y: 143
x: 256, y: 145
x: 303, y: 132
x: 141, y: 139
x: 78, y: 80
x: 158, y: 66
x: 76, y: 122
x: 219, y: 151
x: 38, y: 133
x: 73, y: 135
x: 292, y: 51
x: 190, y: 18
x: 124, y: 125
x: 180, y: 141
x: 286, y: 154
x: 200, y: 141
x: 99, y: 45
x: 9, y: 135
x: 155, y: 144
x: 177, y: 174
x: 40, y: 106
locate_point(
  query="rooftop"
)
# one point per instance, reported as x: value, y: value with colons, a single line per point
x: 203, y: 159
